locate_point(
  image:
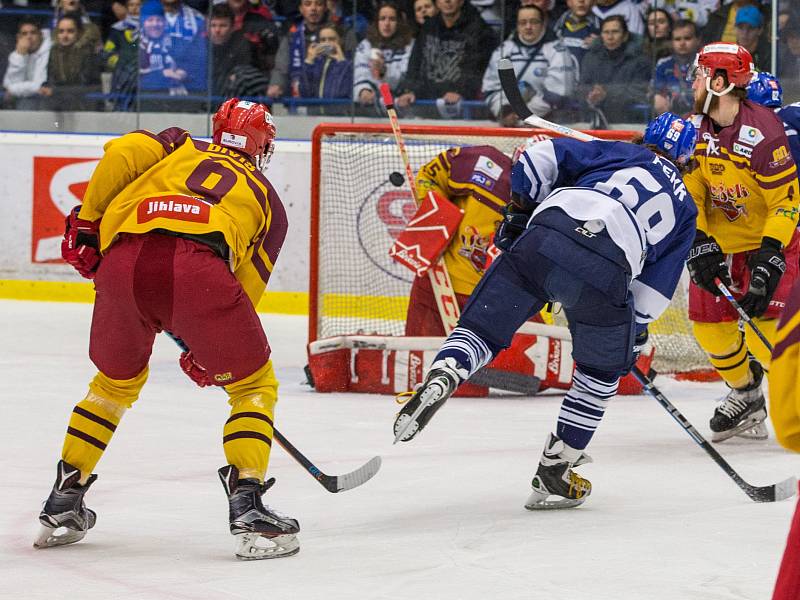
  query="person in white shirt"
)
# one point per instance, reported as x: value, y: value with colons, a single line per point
x: 628, y: 9
x: 27, y: 67
x: 546, y: 70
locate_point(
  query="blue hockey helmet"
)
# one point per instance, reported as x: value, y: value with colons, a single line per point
x: 765, y: 89
x: 673, y: 135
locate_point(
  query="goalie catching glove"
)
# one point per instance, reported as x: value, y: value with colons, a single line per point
x: 767, y: 265
x: 706, y: 263
x: 81, y: 244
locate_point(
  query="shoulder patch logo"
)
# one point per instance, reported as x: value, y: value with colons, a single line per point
x: 712, y: 149
x: 488, y: 167
x: 750, y: 135
x: 743, y: 150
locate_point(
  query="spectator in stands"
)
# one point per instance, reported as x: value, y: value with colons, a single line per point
x: 696, y: 11
x: 491, y: 11
x: 382, y: 56
x: 27, y: 67
x: 671, y: 87
x: 721, y: 25
x: 750, y: 34
x: 628, y: 9
x: 423, y: 10
x: 341, y: 13
x: 256, y: 23
x: 658, y: 34
x: 158, y: 69
x: 615, y: 75
x: 233, y: 72
x: 122, y: 45
x: 90, y: 35
x: 547, y: 71
x: 789, y: 54
x: 578, y: 28
x: 186, y: 28
x: 73, y: 69
x: 293, y: 49
x: 326, y: 72
x: 450, y: 48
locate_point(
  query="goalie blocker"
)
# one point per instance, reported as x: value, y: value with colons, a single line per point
x: 427, y: 234
x: 392, y: 364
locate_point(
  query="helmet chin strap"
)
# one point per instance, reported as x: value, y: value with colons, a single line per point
x: 711, y: 93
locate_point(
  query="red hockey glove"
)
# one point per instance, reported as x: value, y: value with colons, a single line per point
x: 81, y: 244
x: 194, y: 370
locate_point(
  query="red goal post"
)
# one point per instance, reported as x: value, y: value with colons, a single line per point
x: 357, y: 210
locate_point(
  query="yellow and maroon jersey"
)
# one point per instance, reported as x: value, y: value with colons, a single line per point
x: 171, y: 181
x: 744, y: 180
x: 784, y: 375
x: 477, y: 180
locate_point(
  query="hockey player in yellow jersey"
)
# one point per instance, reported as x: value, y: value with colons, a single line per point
x: 744, y: 182
x: 180, y: 235
x: 477, y: 180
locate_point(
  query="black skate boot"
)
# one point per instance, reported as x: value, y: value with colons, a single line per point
x: 441, y: 382
x: 742, y: 412
x: 252, y: 522
x: 555, y: 477
x: 64, y: 517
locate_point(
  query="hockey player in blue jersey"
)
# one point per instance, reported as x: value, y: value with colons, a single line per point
x: 766, y: 89
x: 602, y: 227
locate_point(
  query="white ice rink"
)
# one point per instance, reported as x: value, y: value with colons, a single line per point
x: 443, y: 519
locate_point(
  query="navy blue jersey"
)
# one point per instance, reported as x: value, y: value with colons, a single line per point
x: 639, y: 197
x: 790, y: 115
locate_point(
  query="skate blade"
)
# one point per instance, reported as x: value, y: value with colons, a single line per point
x: 752, y: 422
x: 254, y: 546
x: 50, y: 537
x: 757, y: 432
x: 539, y: 501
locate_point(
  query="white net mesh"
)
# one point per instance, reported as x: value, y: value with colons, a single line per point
x: 359, y: 288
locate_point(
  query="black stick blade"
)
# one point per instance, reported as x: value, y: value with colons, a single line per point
x: 508, y: 81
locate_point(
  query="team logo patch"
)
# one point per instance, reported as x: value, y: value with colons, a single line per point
x: 231, y: 139
x: 482, y: 180
x: 181, y: 208
x: 488, y: 167
x: 475, y: 248
x: 716, y: 168
x: 750, y: 135
x: 223, y: 377
x: 743, y: 150
x: 728, y: 200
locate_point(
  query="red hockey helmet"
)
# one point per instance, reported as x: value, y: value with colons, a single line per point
x: 735, y: 60
x: 247, y: 127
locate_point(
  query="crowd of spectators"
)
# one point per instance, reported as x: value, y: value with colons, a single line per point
x: 607, y: 61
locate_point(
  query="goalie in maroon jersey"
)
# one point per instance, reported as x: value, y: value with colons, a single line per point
x: 477, y: 181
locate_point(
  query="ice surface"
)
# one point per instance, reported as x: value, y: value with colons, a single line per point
x: 443, y: 519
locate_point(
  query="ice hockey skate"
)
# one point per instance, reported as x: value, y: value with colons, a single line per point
x: 439, y: 385
x: 260, y: 531
x: 742, y: 412
x: 64, y: 517
x: 555, y: 477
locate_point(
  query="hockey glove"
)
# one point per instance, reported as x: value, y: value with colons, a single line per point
x: 81, y: 244
x: 706, y: 262
x: 767, y: 265
x: 514, y: 223
x: 195, y: 370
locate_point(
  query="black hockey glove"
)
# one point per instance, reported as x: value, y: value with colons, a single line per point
x: 767, y: 265
x: 706, y: 262
x: 514, y: 223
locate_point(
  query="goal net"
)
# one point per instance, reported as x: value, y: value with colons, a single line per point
x: 358, y: 209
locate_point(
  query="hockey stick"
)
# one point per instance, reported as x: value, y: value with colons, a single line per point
x: 767, y: 493
x: 742, y: 315
x: 332, y: 483
x: 446, y: 300
x: 510, y: 85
